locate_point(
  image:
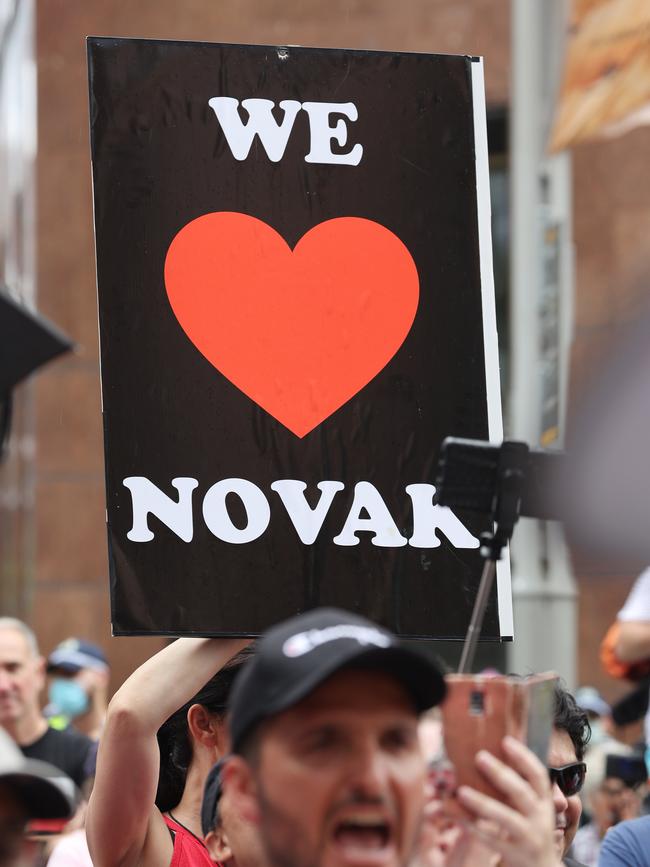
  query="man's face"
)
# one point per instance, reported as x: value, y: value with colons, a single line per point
x: 21, y: 677
x: 567, y: 809
x: 339, y: 779
x: 613, y: 801
x: 235, y: 840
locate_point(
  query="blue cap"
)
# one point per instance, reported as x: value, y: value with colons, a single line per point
x: 73, y: 654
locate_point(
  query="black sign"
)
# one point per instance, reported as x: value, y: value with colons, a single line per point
x: 296, y: 307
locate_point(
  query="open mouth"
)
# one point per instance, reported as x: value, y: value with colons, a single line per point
x: 364, y: 837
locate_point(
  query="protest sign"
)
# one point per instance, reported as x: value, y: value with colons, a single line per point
x: 296, y: 307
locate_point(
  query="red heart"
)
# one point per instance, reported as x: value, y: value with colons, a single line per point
x: 300, y: 332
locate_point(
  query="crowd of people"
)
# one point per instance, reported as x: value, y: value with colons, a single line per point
x: 321, y: 744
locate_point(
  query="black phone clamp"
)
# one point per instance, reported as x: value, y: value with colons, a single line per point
x: 506, y: 506
x: 506, y: 503
x: 502, y: 482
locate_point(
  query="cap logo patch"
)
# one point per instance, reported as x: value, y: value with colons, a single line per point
x: 304, y: 642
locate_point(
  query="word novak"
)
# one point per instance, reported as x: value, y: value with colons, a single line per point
x: 274, y: 136
x: 177, y: 515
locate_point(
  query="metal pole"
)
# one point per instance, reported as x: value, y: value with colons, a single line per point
x: 478, y: 614
x: 544, y: 597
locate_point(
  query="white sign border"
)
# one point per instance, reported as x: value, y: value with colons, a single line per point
x: 490, y: 339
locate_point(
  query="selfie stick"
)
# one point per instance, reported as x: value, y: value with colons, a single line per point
x: 506, y: 504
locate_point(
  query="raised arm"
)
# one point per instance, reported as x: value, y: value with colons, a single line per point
x: 122, y: 819
x: 633, y: 644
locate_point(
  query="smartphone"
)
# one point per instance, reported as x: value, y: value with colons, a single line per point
x: 480, y: 710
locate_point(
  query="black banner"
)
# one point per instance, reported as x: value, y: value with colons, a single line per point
x: 296, y: 307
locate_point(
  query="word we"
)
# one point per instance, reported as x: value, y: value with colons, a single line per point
x: 368, y: 513
x: 274, y: 136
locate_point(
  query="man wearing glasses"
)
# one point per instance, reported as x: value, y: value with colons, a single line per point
x: 567, y: 769
x: 443, y: 840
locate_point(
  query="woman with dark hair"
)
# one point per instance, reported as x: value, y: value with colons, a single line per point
x: 164, y: 731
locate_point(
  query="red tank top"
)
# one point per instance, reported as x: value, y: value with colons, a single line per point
x: 189, y: 851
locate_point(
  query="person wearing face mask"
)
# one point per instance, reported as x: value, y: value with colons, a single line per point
x: 78, y: 685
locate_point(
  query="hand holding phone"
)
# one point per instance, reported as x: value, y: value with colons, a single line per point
x: 479, y: 711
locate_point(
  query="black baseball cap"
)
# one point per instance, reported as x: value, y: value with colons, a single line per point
x: 294, y: 657
x: 630, y: 769
x: 211, y: 797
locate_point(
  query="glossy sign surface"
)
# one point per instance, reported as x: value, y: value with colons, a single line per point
x: 292, y: 318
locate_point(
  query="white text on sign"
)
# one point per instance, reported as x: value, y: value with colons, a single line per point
x: 274, y: 136
x: 368, y: 513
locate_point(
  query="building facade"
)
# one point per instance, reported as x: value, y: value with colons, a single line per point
x: 53, y: 542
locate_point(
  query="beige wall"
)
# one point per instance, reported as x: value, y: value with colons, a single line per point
x: 612, y: 223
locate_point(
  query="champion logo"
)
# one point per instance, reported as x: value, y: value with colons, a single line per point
x: 304, y: 642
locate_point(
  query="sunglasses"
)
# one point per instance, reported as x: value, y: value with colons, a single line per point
x: 570, y: 778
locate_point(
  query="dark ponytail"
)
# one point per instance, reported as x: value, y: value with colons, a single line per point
x: 174, y: 740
